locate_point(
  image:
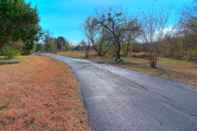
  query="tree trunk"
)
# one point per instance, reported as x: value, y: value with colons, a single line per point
x: 154, y: 58
x: 118, y: 55
x: 153, y: 55
x: 87, y: 51
x: 153, y: 61
x: 127, y: 49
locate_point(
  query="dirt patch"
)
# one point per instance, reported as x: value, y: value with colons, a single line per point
x: 40, y: 94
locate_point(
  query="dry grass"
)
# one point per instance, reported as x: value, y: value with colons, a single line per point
x: 74, y: 54
x: 40, y: 94
x: 182, y: 71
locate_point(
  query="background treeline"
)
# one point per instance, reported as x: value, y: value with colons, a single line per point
x: 51, y: 44
x: 149, y: 35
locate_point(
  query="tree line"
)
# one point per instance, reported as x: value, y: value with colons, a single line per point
x: 51, y: 44
x: 113, y: 32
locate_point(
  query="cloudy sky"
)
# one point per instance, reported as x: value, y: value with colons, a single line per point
x: 66, y: 17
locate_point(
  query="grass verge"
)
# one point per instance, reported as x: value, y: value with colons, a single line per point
x: 179, y: 70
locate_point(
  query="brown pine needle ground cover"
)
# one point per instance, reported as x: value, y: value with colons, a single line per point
x: 40, y: 94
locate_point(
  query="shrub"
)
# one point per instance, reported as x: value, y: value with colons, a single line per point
x: 9, y: 52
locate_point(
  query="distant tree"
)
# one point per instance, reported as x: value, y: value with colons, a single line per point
x: 91, y: 29
x: 50, y: 43
x: 67, y: 45
x: 83, y: 47
x: 61, y: 43
x: 153, y: 31
x: 18, y: 21
x: 130, y: 36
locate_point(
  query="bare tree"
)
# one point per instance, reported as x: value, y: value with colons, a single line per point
x: 83, y: 47
x: 90, y: 28
x: 61, y: 43
x: 130, y: 36
x: 154, y: 25
x: 114, y: 24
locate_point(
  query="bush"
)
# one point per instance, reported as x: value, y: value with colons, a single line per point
x: 9, y: 52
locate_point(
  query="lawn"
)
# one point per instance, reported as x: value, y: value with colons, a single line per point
x: 179, y: 70
x: 40, y: 94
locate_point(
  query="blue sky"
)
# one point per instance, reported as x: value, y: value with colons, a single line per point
x: 66, y: 17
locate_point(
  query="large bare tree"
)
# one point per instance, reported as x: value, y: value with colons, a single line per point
x: 114, y: 24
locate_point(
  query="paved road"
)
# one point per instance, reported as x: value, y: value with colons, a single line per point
x: 121, y: 100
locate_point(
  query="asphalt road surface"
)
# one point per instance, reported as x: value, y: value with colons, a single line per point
x: 120, y: 100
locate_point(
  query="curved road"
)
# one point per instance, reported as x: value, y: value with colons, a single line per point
x: 121, y: 100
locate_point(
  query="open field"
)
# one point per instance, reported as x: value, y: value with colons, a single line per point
x: 182, y: 71
x: 40, y: 94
